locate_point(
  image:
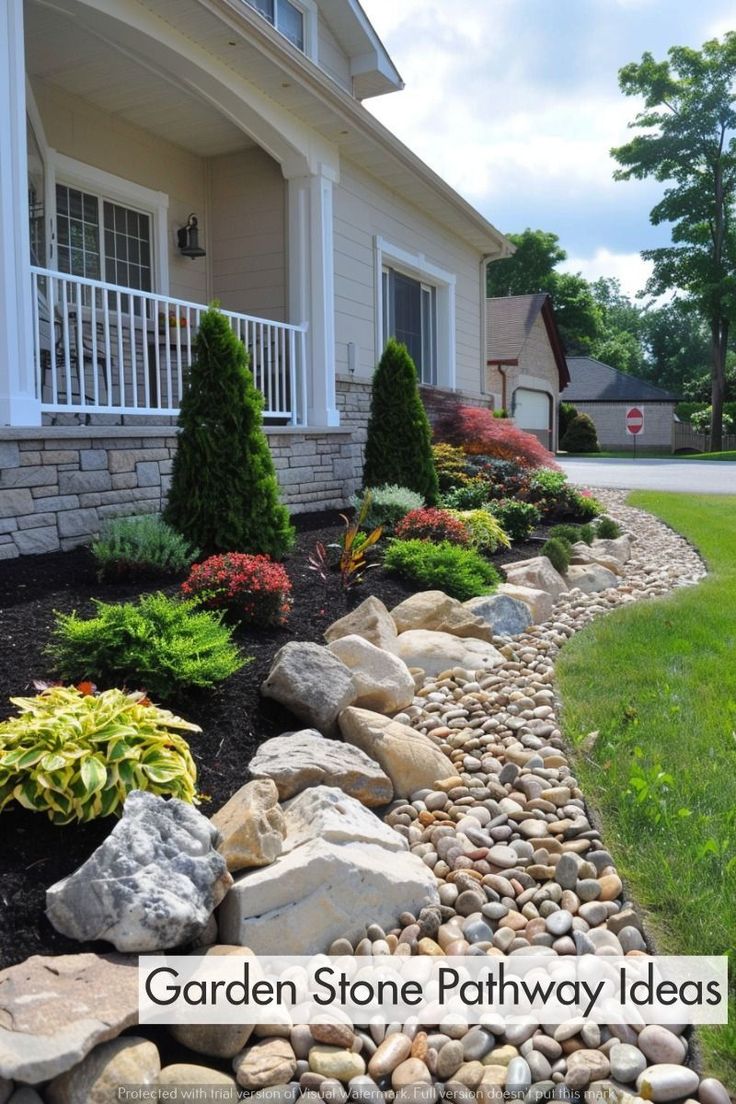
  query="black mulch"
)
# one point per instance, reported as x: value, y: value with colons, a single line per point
x: 235, y: 719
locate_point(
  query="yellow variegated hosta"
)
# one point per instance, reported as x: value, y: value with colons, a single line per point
x: 75, y: 756
x: 486, y: 532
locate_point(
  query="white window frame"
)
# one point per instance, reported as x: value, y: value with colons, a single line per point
x: 310, y: 16
x: 107, y: 186
x: 431, y: 277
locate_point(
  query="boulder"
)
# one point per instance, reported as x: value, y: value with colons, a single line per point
x: 435, y: 652
x: 324, y: 812
x: 410, y: 759
x: 537, y: 573
x: 619, y: 548
x: 437, y: 611
x: 298, y: 760
x: 370, y: 619
x: 383, y: 680
x: 584, y: 554
x: 127, y: 1061
x: 321, y: 891
x: 152, y: 885
x: 539, y: 602
x: 311, y: 682
x: 502, y: 614
x: 215, y: 1040
x: 251, y: 826
x: 590, y: 578
x: 60, y: 1007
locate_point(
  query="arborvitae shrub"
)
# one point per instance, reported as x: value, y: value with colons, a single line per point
x: 224, y: 495
x: 399, y: 445
x: 557, y: 551
x: 581, y: 435
x: 607, y: 529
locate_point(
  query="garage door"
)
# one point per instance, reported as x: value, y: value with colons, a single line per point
x: 532, y: 411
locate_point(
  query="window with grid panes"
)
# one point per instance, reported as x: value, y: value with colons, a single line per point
x: 102, y: 240
x: 286, y: 17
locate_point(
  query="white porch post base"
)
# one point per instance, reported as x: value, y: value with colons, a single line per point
x: 312, y: 289
x: 19, y: 405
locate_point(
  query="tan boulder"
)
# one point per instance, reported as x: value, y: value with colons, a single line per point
x: 537, y: 572
x: 215, y: 1040
x: 585, y: 554
x: 370, y: 619
x: 590, y: 578
x: 383, y: 680
x: 297, y: 760
x: 126, y: 1061
x: 435, y: 652
x: 251, y: 825
x: 410, y: 759
x: 619, y: 548
x: 540, y: 603
x: 198, y: 1079
x: 437, y: 611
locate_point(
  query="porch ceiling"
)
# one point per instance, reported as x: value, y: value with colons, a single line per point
x: 63, y: 52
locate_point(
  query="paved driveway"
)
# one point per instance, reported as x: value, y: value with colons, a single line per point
x: 703, y: 476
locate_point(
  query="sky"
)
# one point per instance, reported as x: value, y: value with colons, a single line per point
x: 516, y: 104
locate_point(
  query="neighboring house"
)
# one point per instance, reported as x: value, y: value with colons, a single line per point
x: 314, y: 227
x: 606, y: 394
x: 526, y: 362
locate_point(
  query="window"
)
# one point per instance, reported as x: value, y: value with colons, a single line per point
x: 286, y: 17
x: 410, y: 315
x: 102, y: 240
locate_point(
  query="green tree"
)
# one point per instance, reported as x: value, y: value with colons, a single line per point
x: 579, y: 318
x: 687, y: 141
x: 530, y: 268
x: 677, y: 348
x: 224, y: 495
x: 399, y: 444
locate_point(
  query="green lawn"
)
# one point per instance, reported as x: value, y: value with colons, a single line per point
x: 621, y: 454
x: 710, y: 456
x: 658, y: 682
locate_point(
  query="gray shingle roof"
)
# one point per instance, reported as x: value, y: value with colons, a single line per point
x: 509, y: 320
x: 593, y: 381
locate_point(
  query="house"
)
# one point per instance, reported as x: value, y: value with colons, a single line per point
x: 606, y: 394
x: 158, y: 154
x: 526, y: 362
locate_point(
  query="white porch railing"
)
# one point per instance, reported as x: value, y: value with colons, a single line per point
x: 103, y: 349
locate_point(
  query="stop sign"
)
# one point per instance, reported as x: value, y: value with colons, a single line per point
x: 634, y: 421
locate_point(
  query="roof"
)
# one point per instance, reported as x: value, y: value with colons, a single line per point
x: 371, y: 67
x: 509, y: 321
x: 593, y: 381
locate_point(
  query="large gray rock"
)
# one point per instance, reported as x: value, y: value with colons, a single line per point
x: 324, y: 812
x: 151, y: 886
x: 251, y: 826
x: 312, y: 682
x: 384, y: 682
x: 619, y: 548
x: 96, y: 1080
x: 540, y: 603
x: 298, y: 760
x: 590, y: 578
x: 323, y: 890
x: 503, y: 615
x: 370, y: 619
x: 438, y: 612
x: 54, y: 1009
x: 435, y: 652
x: 537, y: 573
x: 409, y: 758
x: 585, y: 554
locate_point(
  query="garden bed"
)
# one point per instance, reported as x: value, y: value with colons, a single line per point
x: 234, y: 718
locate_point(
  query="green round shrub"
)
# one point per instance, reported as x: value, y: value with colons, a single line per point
x: 607, y: 529
x: 558, y: 551
x: 461, y: 572
x: 581, y: 435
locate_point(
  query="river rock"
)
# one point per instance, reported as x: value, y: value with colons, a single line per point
x: 435, y: 652
x: 383, y: 680
x: 389, y: 1054
x: 22, y: 1095
x: 504, y: 615
x: 199, y: 1079
x: 323, y: 890
x: 60, y: 1007
x: 537, y: 573
x: 412, y: 1071
x: 152, y: 885
x: 127, y: 1061
x: 215, y: 1040
x: 539, y: 603
x: 627, y: 1062
x: 438, y: 612
x: 371, y: 620
x: 584, y: 1066
x: 660, y: 1045
x: 324, y: 812
x: 251, y: 826
x: 667, y: 1081
x: 311, y: 682
x: 408, y: 757
x: 590, y: 578
x: 268, y: 1062
x: 298, y: 760
x: 336, y: 1062
x: 711, y: 1091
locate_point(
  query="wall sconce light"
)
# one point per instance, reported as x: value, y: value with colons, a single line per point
x: 188, y: 238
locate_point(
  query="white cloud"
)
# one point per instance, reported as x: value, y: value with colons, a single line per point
x: 630, y: 268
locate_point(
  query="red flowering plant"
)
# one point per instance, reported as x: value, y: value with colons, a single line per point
x: 431, y: 524
x: 254, y: 589
x: 475, y: 430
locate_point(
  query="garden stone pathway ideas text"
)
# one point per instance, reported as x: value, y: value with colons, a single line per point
x: 516, y: 863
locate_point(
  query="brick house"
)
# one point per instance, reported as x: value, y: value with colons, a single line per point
x: 606, y: 394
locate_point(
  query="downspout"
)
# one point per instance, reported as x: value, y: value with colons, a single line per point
x: 503, y: 368
x: 484, y: 262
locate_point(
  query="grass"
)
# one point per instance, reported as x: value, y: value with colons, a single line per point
x: 621, y: 454
x: 658, y: 682
x: 711, y: 456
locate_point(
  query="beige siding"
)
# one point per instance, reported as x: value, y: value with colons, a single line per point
x: 248, y: 234
x: 77, y: 129
x: 365, y: 209
x: 609, y: 419
x: 332, y: 57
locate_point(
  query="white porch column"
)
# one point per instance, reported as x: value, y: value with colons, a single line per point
x: 312, y: 287
x: 18, y: 402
